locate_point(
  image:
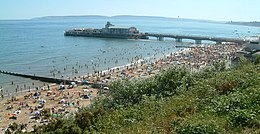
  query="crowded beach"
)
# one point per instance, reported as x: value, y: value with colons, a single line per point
x: 39, y: 105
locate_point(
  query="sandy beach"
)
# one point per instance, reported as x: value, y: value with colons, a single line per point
x: 40, y: 106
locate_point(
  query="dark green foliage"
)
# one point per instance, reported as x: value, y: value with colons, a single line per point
x: 195, y: 129
x: 257, y: 59
x: 59, y: 126
x: 87, y: 117
x: 15, y: 128
x: 169, y: 80
x: 219, y: 66
x: 244, y: 118
x: 71, y: 129
x: 55, y: 125
x: 127, y: 92
x: 130, y: 92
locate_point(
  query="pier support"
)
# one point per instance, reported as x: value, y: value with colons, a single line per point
x: 197, y: 41
x: 178, y: 39
x: 160, y: 38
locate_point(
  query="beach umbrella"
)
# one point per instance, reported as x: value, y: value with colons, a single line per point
x: 62, y: 100
x: 86, y: 90
x: 32, y: 117
x: 139, y: 70
x: 106, y: 88
x: 73, y: 83
x: 17, y: 112
x: 37, y: 112
x: 86, y: 97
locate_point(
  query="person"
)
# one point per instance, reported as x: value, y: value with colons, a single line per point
x: 187, y: 84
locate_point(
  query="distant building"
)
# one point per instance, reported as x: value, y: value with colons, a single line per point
x: 109, y: 31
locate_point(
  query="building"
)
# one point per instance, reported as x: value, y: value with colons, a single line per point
x: 109, y: 31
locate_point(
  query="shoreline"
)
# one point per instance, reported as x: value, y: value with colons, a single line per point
x: 69, y: 100
x: 65, y: 67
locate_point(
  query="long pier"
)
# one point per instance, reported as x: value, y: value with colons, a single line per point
x: 197, y: 39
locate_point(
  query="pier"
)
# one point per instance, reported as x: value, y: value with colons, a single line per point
x: 197, y: 39
x: 110, y: 31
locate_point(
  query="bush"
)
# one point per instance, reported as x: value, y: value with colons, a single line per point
x: 219, y: 66
x: 165, y: 84
x: 195, y: 129
x: 86, y: 118
x: 244, y: 118
x: 257, y: 59
x: 169, y: 80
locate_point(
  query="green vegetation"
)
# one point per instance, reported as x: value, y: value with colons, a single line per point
x: 212, y: 101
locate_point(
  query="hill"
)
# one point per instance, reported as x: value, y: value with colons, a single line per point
x: 254, y: 23
x: 124, y: 17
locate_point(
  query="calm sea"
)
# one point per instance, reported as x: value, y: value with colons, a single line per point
x: 38, y: 46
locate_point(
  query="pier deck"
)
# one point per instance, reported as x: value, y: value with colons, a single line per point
x: 197, y: 39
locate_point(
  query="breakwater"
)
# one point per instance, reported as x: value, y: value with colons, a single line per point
x: 40, y: 78
x: 53, y: 80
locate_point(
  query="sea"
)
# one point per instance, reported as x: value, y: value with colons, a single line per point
x: 38, y: 46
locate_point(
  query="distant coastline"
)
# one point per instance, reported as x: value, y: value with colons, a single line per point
x: 253, y: 23
x: 123, y: 16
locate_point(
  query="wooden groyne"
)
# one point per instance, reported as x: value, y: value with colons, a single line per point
x: 40, y: 78
x: 53, y: 80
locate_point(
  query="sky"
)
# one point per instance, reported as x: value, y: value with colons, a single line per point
x: 219, y: 10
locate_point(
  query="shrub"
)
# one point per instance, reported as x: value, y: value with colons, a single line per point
x: 244, y: 118
x: 86, y: 118
x: 195, y: 129
x: 257, y: 59
x: 169, y: 80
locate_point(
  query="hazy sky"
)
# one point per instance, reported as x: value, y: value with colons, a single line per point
x: 224, y: 10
